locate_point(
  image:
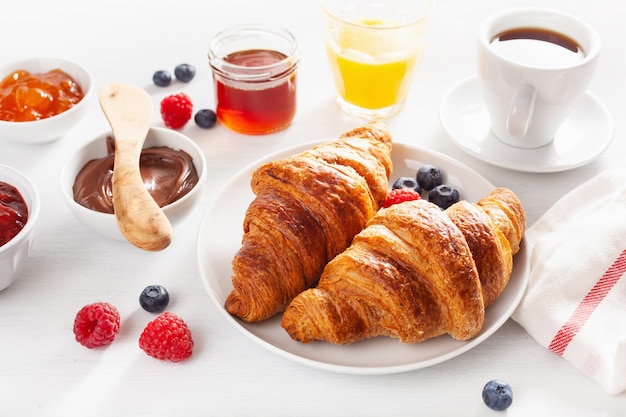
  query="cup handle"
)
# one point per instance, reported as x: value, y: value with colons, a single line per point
x: 521, y: 110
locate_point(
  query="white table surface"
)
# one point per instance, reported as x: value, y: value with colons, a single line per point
x: 44, y: 372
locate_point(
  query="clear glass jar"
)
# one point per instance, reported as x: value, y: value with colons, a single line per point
x: 254, y: 74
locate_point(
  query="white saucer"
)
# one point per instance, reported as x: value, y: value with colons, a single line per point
x: 582, y: 137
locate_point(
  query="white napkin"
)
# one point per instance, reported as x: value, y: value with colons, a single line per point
x: 575, y: 303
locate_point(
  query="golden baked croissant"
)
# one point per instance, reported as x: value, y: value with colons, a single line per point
x: 415, y: 272
x: 307, y: 209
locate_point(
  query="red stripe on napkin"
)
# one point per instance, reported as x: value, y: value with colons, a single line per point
x: 587, y: 306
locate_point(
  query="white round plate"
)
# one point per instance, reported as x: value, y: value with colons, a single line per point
x: 581, y: 138
x: 220, y: 237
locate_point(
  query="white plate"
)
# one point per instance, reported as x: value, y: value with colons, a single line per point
x: 581, y: 138
x: 220, y: 237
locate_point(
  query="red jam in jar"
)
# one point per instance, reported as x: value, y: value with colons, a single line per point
x: 254, y: 69
x: 13, y: 212
x: 251, y: 110
x: 26, y: 96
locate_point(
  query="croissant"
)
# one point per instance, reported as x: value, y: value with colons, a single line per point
x: 415, y: 272
x: 307, y: 209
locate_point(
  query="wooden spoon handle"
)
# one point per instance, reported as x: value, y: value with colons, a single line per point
x: 128, y: 109
x: 139, y: 217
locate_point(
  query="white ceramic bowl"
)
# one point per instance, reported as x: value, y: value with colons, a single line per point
x: 51, y: 128
x: 105, y: 223
x: 14, y: 253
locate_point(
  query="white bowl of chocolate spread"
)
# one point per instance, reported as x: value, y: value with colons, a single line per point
x: 172, y: 166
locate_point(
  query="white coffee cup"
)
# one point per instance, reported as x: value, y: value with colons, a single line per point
x: 531, y: 85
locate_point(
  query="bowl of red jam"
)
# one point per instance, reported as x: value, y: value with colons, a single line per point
x: 19, y: 211
x: 173, y: 168
x: 41, y: 99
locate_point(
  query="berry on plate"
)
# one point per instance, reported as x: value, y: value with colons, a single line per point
x: 184, y: 72
x: 407, y: 182
x: 205, y: 118
x: 154, y: 298
x: 96, y: 325
x: 176, y: 110
x: 443, y: 196
x: 400, y: 195
x: 497, y: 395
x: 428, y: 177
x: 167, y: 337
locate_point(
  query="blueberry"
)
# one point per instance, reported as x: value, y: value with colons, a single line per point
x: 161, y: 78
x: 497, y: 395
x: 428, y: 177
x: 205, y: 118
x: 184, y: 72
x: 443, y: 196
x: 407, y: 182
x: 154, y: 298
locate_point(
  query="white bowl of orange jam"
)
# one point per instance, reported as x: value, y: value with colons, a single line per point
x: 41, y: 99
x: 173, y: 168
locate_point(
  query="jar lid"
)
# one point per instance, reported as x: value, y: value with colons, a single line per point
x: 280, y: 45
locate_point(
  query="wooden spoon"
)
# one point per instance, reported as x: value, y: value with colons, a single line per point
x: 128, y: 108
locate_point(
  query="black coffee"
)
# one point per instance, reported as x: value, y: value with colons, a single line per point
x: 538, y: 47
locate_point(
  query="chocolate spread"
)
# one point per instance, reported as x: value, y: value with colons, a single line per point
x: 168, y: 175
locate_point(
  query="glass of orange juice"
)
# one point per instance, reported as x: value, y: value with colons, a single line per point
x: 373, y: 48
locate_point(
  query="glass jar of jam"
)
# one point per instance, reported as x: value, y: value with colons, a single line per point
x: 254, y: 74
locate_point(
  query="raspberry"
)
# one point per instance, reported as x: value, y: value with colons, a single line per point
x: 176, y: 110
x: 400, y: 195
x: 167, y: 337
x: 96, y: 325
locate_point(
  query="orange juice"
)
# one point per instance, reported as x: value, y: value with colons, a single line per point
x: 372, y: 64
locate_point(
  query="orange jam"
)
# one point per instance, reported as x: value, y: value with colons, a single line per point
x: 28, y: 96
